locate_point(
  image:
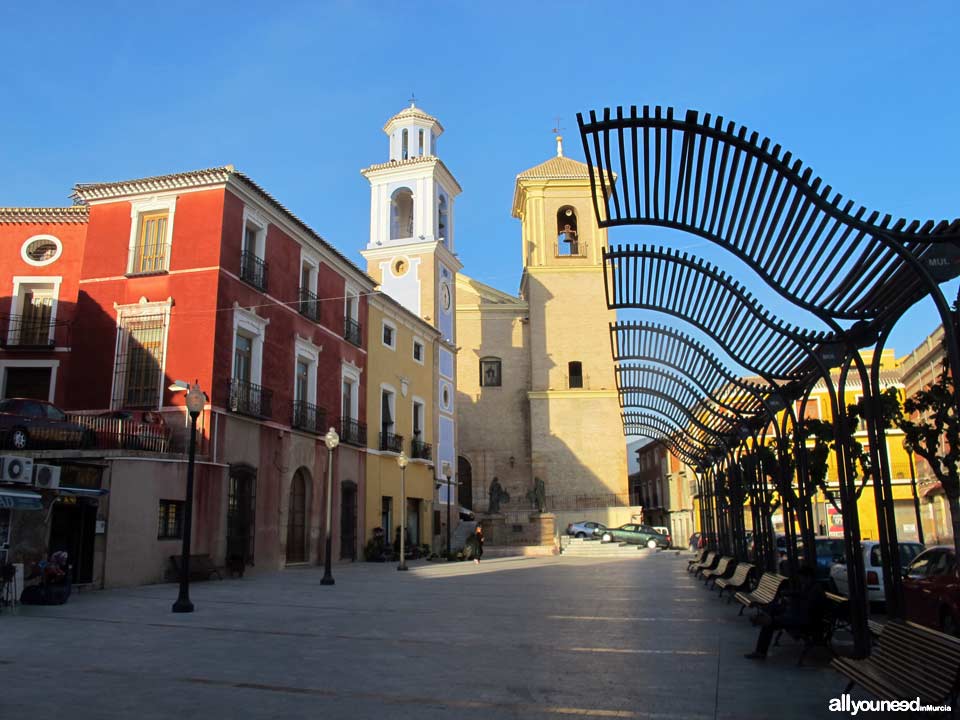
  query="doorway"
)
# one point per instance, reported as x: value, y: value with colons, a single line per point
x: 241, y: 513
x: 73, y: 524
x: 348, y: 521
x: 465, y: 476
x: 297, y: 519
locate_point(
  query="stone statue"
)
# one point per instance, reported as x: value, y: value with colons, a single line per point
x: 497, y: 496
x: 538, y: 495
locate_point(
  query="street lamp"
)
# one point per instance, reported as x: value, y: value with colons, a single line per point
x: 448, y: 472
x: 913, y: 483
x: 195, y: 399
x: 332, y: 440
x: 402, y: 462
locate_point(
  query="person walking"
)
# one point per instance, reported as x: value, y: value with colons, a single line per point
x: 478, y: 544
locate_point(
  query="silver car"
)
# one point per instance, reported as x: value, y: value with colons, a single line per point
x: 585, y: 529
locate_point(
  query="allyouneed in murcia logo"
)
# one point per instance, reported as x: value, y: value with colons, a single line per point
x: 846, y: 704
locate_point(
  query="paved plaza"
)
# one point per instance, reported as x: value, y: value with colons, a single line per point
x: 510, y: 638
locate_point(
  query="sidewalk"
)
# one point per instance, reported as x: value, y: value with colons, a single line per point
x: 509, y: 638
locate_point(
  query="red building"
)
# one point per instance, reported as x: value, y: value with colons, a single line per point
x: 198, y: 276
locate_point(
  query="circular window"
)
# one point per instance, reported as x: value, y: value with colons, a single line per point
x: 41, y: 250
x: 399, y: 267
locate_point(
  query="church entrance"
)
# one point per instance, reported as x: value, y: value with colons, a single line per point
x: 465, y: 476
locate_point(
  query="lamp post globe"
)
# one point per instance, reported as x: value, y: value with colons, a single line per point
x: 195, y: 401
x: 402, y: 462
x: 331, y: 440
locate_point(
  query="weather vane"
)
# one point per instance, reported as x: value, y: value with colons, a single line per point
x: 556, y: 128
x: 413, y: 99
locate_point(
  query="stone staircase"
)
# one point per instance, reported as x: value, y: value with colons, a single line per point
x: 580, y: 547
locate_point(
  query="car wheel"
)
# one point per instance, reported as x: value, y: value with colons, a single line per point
x: 581, y: 535
x: 652, y: 544
x: 19, y: 438
x: 948, y: 626
x: 606, y: 537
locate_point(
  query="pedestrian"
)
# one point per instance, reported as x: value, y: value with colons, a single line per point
x: 802, y: 609
x: 478, y: 544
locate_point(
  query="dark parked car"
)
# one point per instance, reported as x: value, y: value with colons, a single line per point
x: 931, y: 590
x: 635, y: 535
x: 32, y: 424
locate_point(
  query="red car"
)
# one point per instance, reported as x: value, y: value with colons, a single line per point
x: 931, y: 590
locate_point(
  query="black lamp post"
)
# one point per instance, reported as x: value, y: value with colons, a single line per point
x: 913, y: 484
x: 402, y: 462
x: 195, y: 402
x: 448, y: 472
x: 332, y: 440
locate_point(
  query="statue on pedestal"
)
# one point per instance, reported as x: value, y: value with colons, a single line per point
x: 497, y: 496
x: 538, y: 495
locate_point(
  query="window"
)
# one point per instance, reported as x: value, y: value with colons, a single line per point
x: 309, y: 271
x: 351, y: 316
x: 300, y: 383
x: 418, y: 419
x: 568, y: 243
x: 418, y: 351
x: 306, y: 359
x: 490, y: 372
x: 389, y: 335
x: 404, y: 144
x: 139, y: 358
x: 170, y: 520
x: 442, y: 218
x: 41, y: 250
x: 246, y: 394
x: 575, y: 375
x: 401, y: 214
x: 386, y: 514
x: 350, y: 391
x: 389, y: 441
x: 33, y: 311
x: 151, y: 235
x: 253, y: 268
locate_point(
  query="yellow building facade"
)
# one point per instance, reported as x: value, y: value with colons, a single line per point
x: 401, y: 388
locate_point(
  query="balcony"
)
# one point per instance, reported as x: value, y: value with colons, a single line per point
x: 254, y: 271
x: 421, y: 450
x: 351, y: 331
x: 353, y: 432
x: 308, y: 305
x: 27, y: 332
x: 247, y: 398
x: 391, y: 443
x: 576, y: 249
x: 308, y: 417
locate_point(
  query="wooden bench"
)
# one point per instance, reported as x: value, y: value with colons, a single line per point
x: 201, y: 567
x: 765, y: 593
x: 698, y: 561
x: 737, y: 582
x: 908, y: 661
x: 709, y: 564
x: 835, y: 615
x: 724, y: 567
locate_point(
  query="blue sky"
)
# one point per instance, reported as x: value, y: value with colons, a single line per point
x: 295, y: 95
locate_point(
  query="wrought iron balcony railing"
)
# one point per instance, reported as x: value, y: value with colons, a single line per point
x: 351, y: 331
x: 421, y: 450
x: 308, y: 305
x: 249, y: 398
x: 391, y: 443
x: 27, y: 331
x: 353, y: 432
x: 308, y: 417
x: 576, y: 249
x: 253, y: 270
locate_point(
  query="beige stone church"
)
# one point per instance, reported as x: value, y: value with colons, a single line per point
x: 536, y: 392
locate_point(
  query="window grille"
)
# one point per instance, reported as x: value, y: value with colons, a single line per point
x: 170, y: 520
x: 139, y: 363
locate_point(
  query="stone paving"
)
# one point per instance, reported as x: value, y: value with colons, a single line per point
x: 510, y: 638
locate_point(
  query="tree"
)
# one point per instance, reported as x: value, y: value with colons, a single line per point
x: 935, y: 436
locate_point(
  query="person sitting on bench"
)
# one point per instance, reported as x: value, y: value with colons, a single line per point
x: 801, y: 609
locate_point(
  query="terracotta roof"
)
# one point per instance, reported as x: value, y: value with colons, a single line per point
x: 558, y: 168
x: 76, y: 214
x: 85, y: 192
x: 412, y: 112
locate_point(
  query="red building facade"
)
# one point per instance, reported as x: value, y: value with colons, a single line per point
x: 199, y: 276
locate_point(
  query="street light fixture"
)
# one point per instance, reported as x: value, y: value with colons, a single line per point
x: 402, y: 462
x: 331, y: 439
x: 913, y: 483
x: 448, y: 473
x: 195, y: 399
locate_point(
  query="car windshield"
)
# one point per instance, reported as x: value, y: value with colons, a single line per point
x: 829, y: 548
x: 908, y: 551
x: 8, y: 406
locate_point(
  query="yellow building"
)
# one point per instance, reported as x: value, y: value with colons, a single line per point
x: 401, y: 413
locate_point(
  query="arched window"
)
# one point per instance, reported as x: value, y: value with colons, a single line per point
x: 575, y: 374
x: 568, y: 242
x: 442, y: 219
x: 420, y: 151
x: 297, y: 518
x: 490, y: 372
x: 404, y: 144
x: 401, y: 214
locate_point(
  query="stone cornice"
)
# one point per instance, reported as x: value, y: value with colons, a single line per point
x: 403, y: 165
x: 73, y: 215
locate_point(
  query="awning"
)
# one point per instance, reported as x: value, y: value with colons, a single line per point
x: 82, y: 492
x: 20, y: 500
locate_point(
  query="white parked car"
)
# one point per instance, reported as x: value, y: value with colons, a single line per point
x: 873, y: 568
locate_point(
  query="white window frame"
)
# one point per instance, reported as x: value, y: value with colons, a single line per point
x: 312, y: 261
x: 351, y: 291
x: 19, y: 281
x: 54, y: 366
x: 254, y: 327
x: 40, y: 263
x: 393, y: 334
x: 351, y: 373
x: 125, y: 312
x: 142, y: 207
x: 306, y: 350
x: 423, y: 350
x: 393, y: 408
x: 252, y: 217
x: 416, y: 400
